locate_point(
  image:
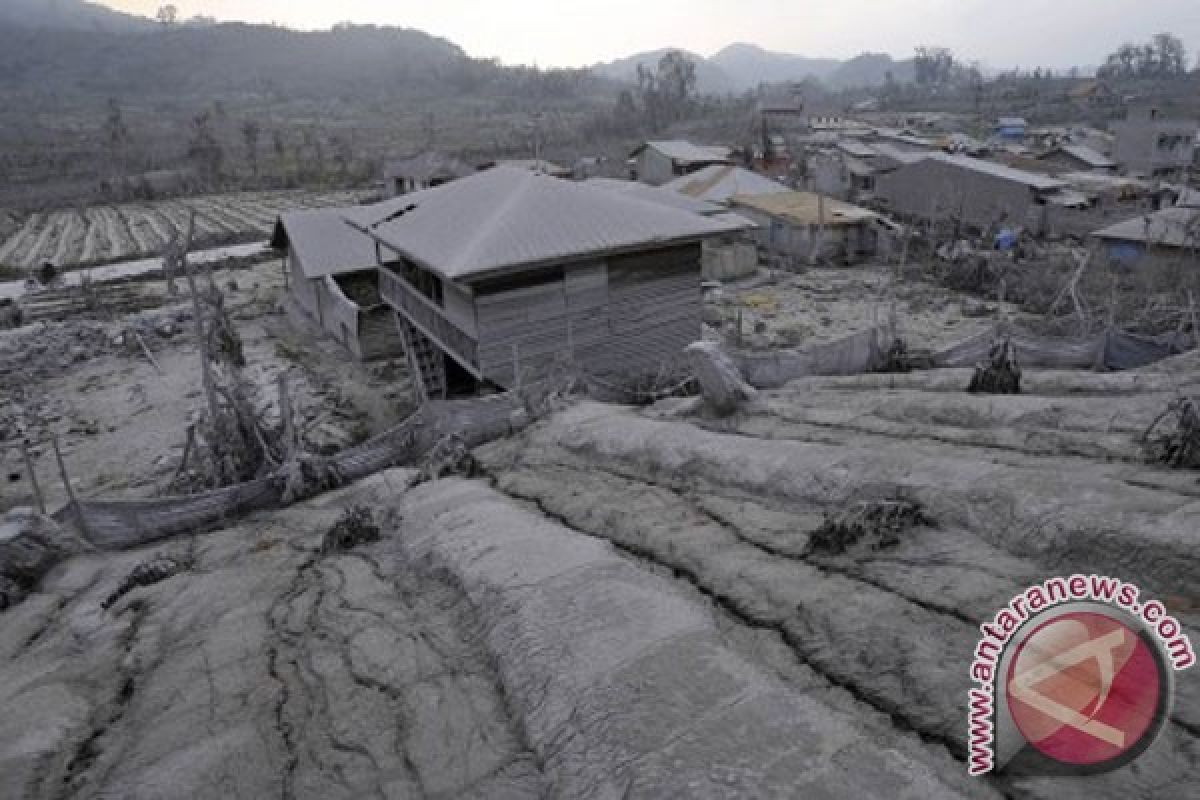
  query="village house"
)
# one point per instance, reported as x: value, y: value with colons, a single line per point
x: 539, y: 165
x: 499, y: 277
x: 807, y: 226
x: 422, y: 172
x: 1078, y: 158
x: 1160, y: 237
x: 970, y: 191
x: 1093, y: 94
x: 1149, y: 144
x: 331, y: 277
x: 658, y: 162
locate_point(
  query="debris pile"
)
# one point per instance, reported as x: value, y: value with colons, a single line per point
x: 30, y: 545
x: 866, y: 527
x: 1000, y: 375
x: 721, y: 384
x: 1179, y: 445
x: 356, y: 527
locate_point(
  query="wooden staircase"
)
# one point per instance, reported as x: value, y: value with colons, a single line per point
x: 425, y: 360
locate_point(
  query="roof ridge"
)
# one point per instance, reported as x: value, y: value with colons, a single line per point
x: 494, y: 220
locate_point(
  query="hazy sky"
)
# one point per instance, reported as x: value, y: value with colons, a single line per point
x: 1001, y: 33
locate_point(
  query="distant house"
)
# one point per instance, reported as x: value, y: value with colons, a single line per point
x: 720, y: 182
x: 1161, y: 236
x: 1093, y: 94
x: 1148, y: 143
x: 422, y: 172
x: 1078, y: 158
x: 968, y: 190
x: 658, y: 162
x: 498, y: 277
x: 1011, y: 129
x: 331, y: 277
x: 803, y: 225
x: 538, y: 165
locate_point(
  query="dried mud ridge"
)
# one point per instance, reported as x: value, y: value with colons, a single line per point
x: 619, y: 603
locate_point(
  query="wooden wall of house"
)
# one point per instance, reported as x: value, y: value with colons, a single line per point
x: 627, y: 315
x: 302, y: 289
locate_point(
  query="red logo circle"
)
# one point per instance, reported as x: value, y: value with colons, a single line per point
x: 1085, y: 688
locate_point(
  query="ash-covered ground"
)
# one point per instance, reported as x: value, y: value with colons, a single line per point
x: 618, y: 602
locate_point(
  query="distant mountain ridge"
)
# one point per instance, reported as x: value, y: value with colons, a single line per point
x: 70, y: 15
x: 742, y: 66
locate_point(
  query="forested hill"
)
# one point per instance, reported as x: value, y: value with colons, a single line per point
x: 69, y: 14
x: 235, y: 62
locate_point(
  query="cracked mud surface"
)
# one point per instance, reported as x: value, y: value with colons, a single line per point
x: 624, y: 605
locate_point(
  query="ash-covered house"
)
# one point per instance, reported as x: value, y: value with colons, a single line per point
x: 1078, y: 158
x: 423, y: 171
x: 658, y: 162
x: 805, y: 225
x: 970, y: 191
x: 331, y: 277
x: 497, y: 277
x: 1151, y: 144
x: 1166, y: 236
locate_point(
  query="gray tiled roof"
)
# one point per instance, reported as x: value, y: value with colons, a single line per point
x: 504, y: 219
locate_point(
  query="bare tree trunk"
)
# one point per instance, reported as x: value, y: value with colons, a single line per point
x: 33, y: 481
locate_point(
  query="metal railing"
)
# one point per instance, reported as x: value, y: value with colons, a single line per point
x: 426, y: 316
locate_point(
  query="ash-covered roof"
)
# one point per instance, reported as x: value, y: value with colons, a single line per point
x: 323, y: 241
x: 720, y: 182
x: 506, y: 219
x: 1171, y: 227
x: 1081, y: 152
x: 685, y: 152
x: 428, y: 166
x: 805, y: 208
x: 657, y: 194
x: 1030, y: 179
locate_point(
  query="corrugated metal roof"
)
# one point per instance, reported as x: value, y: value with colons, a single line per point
x: 657, y: 194
x: 719, y: 183
x: 804, y: 208
x: 1089, y: 156
x: 1171, y: 227
x: 856, y: 148
x: 505, y: 219
x: 685, y: 152
x: 1011, y: 122
x: 1033, y: 180
x: 325, y: 244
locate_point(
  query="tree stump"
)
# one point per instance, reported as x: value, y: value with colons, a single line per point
x: 721, y: 384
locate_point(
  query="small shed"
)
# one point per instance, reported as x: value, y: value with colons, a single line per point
x: 499, y: 277
x: 657, y: 162
x: 805, y: 225
x: 331, y: 271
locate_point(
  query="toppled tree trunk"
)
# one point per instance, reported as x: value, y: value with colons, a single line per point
x: 1000, y: 375
x: 1178, y: 447
x: 721, y: 384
